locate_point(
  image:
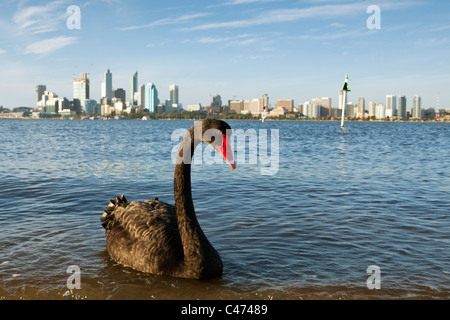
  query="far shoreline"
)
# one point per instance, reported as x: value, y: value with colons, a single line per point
x: 228, y: 119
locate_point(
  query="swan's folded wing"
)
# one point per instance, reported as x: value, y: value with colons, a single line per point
x: 144, y: 235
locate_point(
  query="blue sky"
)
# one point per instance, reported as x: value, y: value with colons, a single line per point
x: 236, y: 48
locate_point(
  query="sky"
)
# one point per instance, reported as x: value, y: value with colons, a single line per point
x: 239, y: 49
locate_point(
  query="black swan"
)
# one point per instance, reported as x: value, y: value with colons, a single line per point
x: 159, y: 238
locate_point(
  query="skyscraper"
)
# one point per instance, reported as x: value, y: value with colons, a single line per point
x: 81, y: 87
x: 174, y: 94
x: 402, y: 107
x: 107, y: 91
x: 416, y: 114
x: 361, y: 110
x: 142, y: 96
x: 133, y: 88
x: 40, y: 90
x: 151, y: 98
x: 380, y: 111
x: 372, y: 109
x: 120, y: 94
x: 391, y: 105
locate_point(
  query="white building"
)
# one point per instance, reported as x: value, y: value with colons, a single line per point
x: 194, y: 107
x: 391, y: 105
x: 380, y: 111
x: 174, y: 94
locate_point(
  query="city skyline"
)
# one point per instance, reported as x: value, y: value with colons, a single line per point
x: 239, y: 49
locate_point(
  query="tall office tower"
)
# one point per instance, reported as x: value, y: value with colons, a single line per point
x: 326, y: 103
x: 120, y: 94
x: 133, y: 89
x: 361, y: 107
x: 263, y: 102
x: 372, y: 109
x: 216, y: 100
x: 40, y: 90
x: 107, y: 91
x: 81, y: 87
x: 174, y: 94
x: 380, y: 111
x: 151, y: 98
x: 391, y: 105
x: 402, y: 107
x: 141, y: 103
x: 416, y: 107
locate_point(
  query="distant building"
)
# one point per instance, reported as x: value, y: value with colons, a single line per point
x: 263, y: 102
x: 255, y: 106
x: 372, y: 109
x: 402, y: 107
x: 194, y: 107
x: 326, y: 103
x: 81, y: 87
x: 277, y: 111
x: 236, y: 106
x: 287, y: 104
x: 89, y: 106
x: 141, y: 103
x: 380, y: 111
x: 120, y: 94
x: 151, y: 98
x: 118, y: 105
x: 311, y: 110
x: 361, y: 109
x: 40, y: 89
x: 391, y: 105
x: 417, y: 104
x: 350, y: 110
x: 216, y: 100
x: 107, y: 90
x: 173, y: 91
x: 133, y: 89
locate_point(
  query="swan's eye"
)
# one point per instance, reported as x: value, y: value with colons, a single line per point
x: 213, y: 137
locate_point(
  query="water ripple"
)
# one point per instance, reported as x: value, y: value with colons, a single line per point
x: 376, y: 194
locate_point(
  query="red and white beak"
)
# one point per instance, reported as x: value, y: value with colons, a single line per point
x: 226, y: 152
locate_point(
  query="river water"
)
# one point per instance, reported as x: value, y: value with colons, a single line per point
x: 333, y: 203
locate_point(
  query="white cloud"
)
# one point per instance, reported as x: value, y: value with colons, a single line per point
x: 49, y: 45
x: 167, y: 21
x: 41, y: 19
x: 242, y: 2
x: 2, y: 51
x: 327, y: 11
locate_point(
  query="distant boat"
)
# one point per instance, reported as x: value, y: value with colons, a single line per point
x: 145, y: 118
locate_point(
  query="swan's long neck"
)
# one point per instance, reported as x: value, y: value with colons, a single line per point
x: 195, y: 243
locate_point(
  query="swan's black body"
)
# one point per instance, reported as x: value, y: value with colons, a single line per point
x: 159, y: 238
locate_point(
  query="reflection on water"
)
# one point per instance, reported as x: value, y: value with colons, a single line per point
x: 374, y: 194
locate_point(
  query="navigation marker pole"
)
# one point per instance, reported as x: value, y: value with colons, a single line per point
x: 264, y: 115
x: 344, y: 102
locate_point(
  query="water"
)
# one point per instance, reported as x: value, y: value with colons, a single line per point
x: 341, y: 201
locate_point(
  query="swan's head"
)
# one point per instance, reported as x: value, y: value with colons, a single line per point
x: 217, y: 133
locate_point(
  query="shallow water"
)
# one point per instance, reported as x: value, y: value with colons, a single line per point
x: 340, y: 201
